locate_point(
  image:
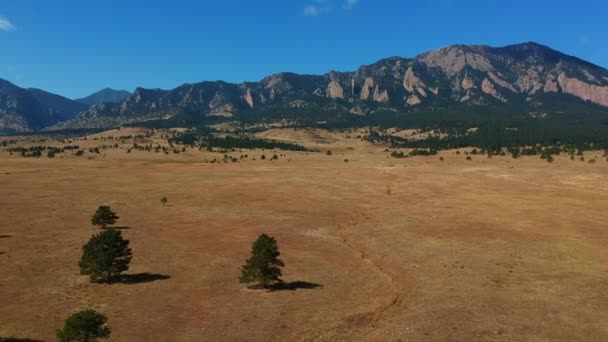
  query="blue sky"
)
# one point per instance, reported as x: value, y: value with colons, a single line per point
x: 74, y: 48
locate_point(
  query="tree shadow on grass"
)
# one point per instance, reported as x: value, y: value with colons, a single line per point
x: 15, y: 339
x: 293, y: 286
x: 5, y: 237
x: 139, y: 278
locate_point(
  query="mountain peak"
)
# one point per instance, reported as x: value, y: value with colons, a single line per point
x: 530, y: 45
x: 106, y: 95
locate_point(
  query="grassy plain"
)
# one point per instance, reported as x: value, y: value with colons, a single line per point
x: 376, y: 248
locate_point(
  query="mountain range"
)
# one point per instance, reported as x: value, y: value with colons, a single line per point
x: 530, y: 79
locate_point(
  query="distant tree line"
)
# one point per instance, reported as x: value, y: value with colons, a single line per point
x: 525, y: 139
x: 206, y: 139
x: 230, y: 142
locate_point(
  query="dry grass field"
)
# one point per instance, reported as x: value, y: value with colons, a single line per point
x: 376, y: 248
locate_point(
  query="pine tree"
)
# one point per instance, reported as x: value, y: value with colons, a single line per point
x: 105, y: 256
x: 104, y: 216
x: 84, y: 326
x: 264, y: 264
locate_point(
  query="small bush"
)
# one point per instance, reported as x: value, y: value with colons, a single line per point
x: 84, y: 326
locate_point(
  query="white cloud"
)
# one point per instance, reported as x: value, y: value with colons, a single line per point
x: 318, y: 7
x: 6, y: 25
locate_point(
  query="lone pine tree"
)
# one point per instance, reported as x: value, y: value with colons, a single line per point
x: 263, y: 267
x: 84, y: 326
x: 105, y: 256
x: 104, y: 216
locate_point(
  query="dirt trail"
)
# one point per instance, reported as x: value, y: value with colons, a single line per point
x: 359, y: 324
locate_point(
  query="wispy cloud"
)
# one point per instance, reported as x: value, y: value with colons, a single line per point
x: 319, y: 7
x: 350, y: 4
x: 6, y: 25
x: 312, y: 10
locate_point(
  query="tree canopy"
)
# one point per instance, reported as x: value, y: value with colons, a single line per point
x: 263, y: 267
x: 104, y: 216
x: 84, y: 326
x: 105, y: 256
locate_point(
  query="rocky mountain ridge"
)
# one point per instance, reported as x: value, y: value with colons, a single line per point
x: 470, y: 75
x: 526, y: 77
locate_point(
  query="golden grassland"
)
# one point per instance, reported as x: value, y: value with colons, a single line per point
x: 376, y: 248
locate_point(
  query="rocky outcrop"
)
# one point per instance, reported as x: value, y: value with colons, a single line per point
x: 225, y: 110
x: 589, y: 76
x: 367, y: 88
x: 218, y: 101
x: 453, y: 60
x: 413, y: 100
x: 498, y: 80
x: 530, y: 82
x: 467, y: 83
x: 274, y: 81
x: 585, y: 91
x: 551, y: 85
x: 380, y: 95
x: 488, y: 88
x: 411, y: 82
x: 335, y: 90
x: 249, y: 98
